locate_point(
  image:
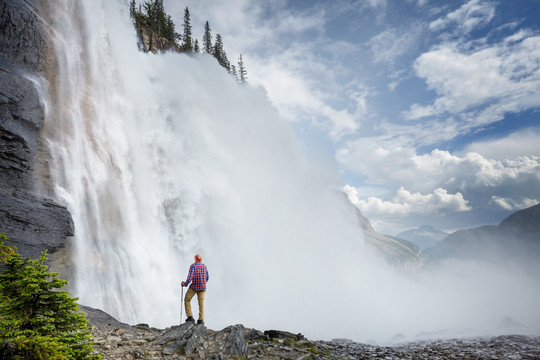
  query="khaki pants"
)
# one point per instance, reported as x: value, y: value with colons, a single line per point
x: 200, y: 298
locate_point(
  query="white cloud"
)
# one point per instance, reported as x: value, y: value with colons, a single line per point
x: 402, y: 184
x: 470, y: 15
x: 291, y: 58
x: 481, y: 84
x: 371, y: 4
x: 392, y: 43
x: 396, y: 167
x: 524, y: 142
x: 406, y: 203
x: 511, y: 204
x: 304, y: 100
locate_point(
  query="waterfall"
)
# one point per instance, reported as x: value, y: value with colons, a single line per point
x: 159, y: 157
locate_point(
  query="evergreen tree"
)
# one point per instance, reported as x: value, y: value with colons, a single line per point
x: 169, y: 31
x: 234, y: 72
x: 160, y: 16
x: 150, y: 18
x: 37, y: 319
x: 207, y: 39
x: 218, y: 48
x: 220, y: 54
x: 196, y: 46
x: 242, y: 73
x: 132, y: 10
x: 187, y: 46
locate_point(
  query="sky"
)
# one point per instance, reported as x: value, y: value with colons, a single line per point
x: 424, y: 112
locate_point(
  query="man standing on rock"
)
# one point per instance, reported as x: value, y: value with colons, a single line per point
x: 197, y: 276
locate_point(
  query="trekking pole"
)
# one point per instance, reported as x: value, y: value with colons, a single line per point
x: 181, y: 303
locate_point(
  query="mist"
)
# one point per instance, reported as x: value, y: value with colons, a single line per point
x: 159, y: 157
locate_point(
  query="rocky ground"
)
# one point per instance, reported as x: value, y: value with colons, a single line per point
x: 115, y: 341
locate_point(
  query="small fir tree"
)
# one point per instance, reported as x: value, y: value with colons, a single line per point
x: 196, y: 46
x: 132, y: 9
x: 220, y: 54
x: 242, y: 73
x: 207, y: 39
x: 37, y: 319
x: 187, y: 46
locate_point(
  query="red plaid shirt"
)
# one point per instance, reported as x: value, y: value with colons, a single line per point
x: 198, y: 275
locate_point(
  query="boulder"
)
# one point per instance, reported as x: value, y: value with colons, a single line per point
x: 100, y: 319
x: 278, y: 334
x: 236, y: 342
x: 185, y: 338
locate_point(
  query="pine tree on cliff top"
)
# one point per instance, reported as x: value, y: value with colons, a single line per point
x: 207, y: 39
x: 187, y: 46
x: 219, y: 53
x: 242, y: 73
x: 37, y: 319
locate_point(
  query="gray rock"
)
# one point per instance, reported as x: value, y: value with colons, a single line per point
x: 23, y: 38
x: 179, y: 332
x: 101, y: 319
x: 236, y: 342
x: 279, y: 334
x: 32, y: 222
x: 185, y: 338
x: 21, y: 118
x: 195, y: 340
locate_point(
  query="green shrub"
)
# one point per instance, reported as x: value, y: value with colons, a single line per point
x: 37, y: 319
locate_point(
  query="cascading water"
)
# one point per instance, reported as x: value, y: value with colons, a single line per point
x: 159, y: 157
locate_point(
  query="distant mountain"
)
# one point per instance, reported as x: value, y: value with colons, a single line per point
x: 424, y: 237
x: 515, y: 238
x: 400, y: 253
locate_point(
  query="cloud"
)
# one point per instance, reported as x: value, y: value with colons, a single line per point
x: 402, y: 167
x: 392, y: 43
x: 520, y: 143
x: 300, y: 68
x: 304, y: 100
x: 481, y: 84
x: 406, y: 203
x: 513, y: 204
x: 435, y: 187
x: 469, y: 16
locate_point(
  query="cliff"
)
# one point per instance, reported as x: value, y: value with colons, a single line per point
x: 149, y: 41
x: 400, y: 253
x: 32, y: 222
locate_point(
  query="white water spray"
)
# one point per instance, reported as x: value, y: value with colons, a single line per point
x: 159, y: 157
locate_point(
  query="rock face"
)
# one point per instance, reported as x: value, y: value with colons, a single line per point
x: 400, y: 253
x: 516, y: 238
x: 115, y: 340
x: 22, y: 37
x: 32, y: 222
x: 150, y: 41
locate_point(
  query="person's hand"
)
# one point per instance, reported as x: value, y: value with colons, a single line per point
x: 183, y: 283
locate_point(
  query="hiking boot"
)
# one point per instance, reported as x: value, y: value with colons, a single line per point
x: 200, y: 322
x: 190, y: 319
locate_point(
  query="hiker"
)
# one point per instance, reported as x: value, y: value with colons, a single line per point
x: 198, y: 276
